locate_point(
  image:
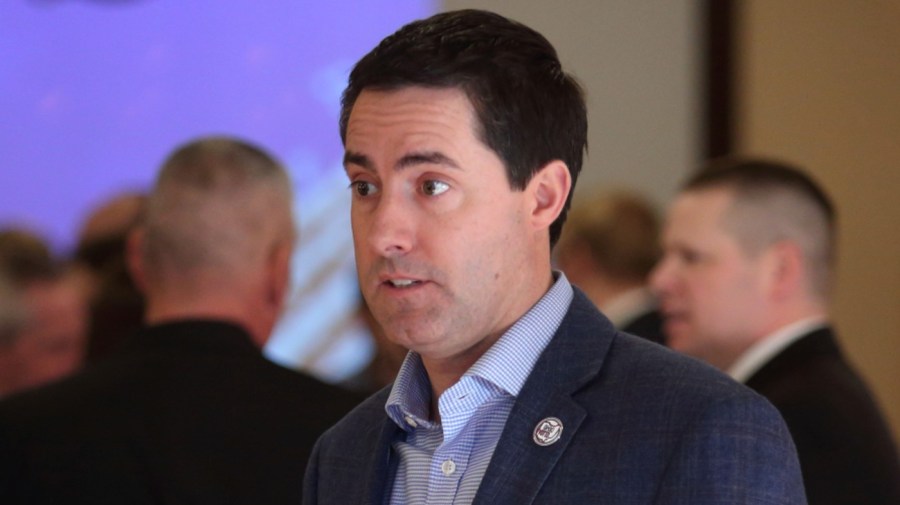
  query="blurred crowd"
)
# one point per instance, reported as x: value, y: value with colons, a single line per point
x: 59, y: 312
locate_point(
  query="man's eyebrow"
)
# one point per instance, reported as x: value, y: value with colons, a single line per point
x: 361, y: 160
x: 411, y: 159
x: 427, y: 157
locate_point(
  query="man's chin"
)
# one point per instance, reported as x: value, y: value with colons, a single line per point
x: 410, y: 333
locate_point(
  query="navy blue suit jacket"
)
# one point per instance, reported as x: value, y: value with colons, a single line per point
x: 641, y: 425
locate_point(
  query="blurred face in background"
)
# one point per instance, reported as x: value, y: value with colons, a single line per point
x: 52, y: 343
x: 711, y: 292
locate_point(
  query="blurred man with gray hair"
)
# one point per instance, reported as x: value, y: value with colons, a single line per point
x: 189, y: 410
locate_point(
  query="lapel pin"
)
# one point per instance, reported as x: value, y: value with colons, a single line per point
x: 548, y: 431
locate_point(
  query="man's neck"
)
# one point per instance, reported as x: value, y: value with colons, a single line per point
x: 443, y: 373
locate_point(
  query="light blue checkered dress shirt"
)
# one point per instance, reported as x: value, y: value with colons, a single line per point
x: 443, y: 463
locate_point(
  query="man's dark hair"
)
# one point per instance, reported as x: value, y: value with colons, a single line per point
x: 529, y: 111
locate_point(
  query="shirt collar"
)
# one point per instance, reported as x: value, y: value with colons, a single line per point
x: 767, y: 348
x: 507, y: 364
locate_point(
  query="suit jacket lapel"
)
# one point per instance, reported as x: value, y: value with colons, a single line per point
x: 519, y: 466
x: 379, y: 471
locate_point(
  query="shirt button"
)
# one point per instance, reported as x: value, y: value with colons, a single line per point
x: 448, y: 467
x: 410, y: 421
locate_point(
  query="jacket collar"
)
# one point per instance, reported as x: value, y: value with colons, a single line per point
x: 572, y: 359
x: 193, y: 337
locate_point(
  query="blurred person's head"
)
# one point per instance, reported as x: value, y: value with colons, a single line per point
x: 749, y: 248
x: 104, y: 233
x: 217, y: 236
x: 48, y: 338
x: 50, y: 344
x: 610, y: 244
x: 24, y: 256
x: 100, y: 261
x: 110, y: 219
x: 12, y: 313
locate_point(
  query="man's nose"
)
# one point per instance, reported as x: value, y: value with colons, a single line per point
x: 391, y: 230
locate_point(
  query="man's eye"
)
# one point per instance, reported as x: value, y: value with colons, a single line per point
x: 433, y: 188
x: 364, y: 188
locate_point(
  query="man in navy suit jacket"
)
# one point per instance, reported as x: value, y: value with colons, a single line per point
x: 463, y: 138
x: 744, y: 284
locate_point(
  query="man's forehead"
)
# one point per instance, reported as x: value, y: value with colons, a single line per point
x: 415, y: 124
x: 376, y: 109
x: 698, y: 216
x: 709, y: 199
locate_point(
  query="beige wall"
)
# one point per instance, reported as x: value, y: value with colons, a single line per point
x: 819, y: 85
x: 639, y: 65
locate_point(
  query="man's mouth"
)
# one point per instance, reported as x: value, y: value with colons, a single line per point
x: 403, y: 283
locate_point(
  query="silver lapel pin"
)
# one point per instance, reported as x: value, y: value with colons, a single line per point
x: 548, y: 431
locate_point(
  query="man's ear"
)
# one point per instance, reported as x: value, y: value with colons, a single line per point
x: 134, y: 258
x: 784, y: 269
x: 549, y: 189
x: 279, y: 272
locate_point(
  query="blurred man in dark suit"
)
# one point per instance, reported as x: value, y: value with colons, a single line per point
x: 188, y: 410
x: 744, y: 285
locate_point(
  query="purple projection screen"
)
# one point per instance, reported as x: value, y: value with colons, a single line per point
x: 94, y: 94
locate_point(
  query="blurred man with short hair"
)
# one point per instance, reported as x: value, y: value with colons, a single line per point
x: 744, y: 285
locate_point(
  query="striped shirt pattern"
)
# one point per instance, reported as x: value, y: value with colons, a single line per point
x: 443, y: 463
